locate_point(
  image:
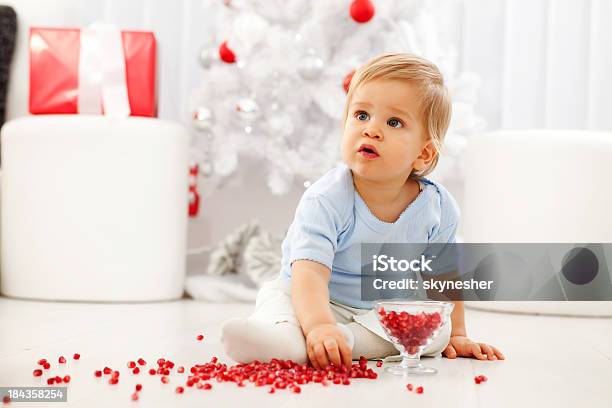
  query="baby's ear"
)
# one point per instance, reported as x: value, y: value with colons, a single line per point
x: 428, y: 154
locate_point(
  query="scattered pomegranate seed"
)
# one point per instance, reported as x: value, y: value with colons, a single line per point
x: 419, y: 390
x: 107, y: 370
x: 200, y: 337
x: 113, y: 381
x: 37, y: 373
x: 98, y: 373
x: 46, y: 366
x: 379, y: 364
x: 409, y: 386
x: 141, y: 361
x: 6, y: 399
x: 131, y: 364
x: 50, y: 380
x: 138, y: 387
x: 180, y: 390
x: 115, y: 374
x: 180, y: 370
x: 62, y: 360
x: 164, y: 379
x: 207, y: 386
x: 272, y: 390
x: 135, y: 396
x: 161, y: 361
x: 480, y: 379
x: 66, y: 378
x: 76, y: 356
x: 42, y: 361
x: 152, y: 371
x: 58, y: 379
x: 136, y: 370
x: 296, y: 389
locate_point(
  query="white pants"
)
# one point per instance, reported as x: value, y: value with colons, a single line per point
x: 273, y: 330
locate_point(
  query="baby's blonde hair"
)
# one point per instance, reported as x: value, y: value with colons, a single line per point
x: 435, y: 107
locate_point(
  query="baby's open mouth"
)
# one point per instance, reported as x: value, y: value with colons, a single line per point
x: 368, y: 151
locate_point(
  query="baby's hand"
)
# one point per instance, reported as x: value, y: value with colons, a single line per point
x: 461, y: 346
x: 326, y: 344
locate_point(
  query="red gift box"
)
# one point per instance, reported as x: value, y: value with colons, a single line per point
x: 54, y: 71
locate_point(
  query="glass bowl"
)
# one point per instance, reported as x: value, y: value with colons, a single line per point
x: 411, y: 326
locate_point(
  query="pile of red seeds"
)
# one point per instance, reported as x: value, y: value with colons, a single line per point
x: 410, y: 330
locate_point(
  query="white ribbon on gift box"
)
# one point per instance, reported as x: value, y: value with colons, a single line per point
x: 102, y: 81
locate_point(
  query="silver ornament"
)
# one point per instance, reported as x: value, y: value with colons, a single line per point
x: 203, y: 119
x: 311, y: 66
x: 206, y: 57
x: 248, y: 110
x: 206, y: 169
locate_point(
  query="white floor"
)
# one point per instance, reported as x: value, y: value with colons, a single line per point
x: 551, y: 361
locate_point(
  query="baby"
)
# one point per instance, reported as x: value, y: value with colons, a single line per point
x: 396, y: 115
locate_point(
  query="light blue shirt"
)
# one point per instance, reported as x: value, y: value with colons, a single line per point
x: 332, y: 220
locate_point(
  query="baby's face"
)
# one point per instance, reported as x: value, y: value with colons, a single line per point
x: 383, y: 135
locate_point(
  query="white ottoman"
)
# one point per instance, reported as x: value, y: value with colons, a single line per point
x: 547, y: 186
x: 93, y: 209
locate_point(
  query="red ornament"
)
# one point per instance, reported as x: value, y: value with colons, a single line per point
x: 194, y: 195
x: 362, y: 11
x: 347, y: 80
x: 226, y: 54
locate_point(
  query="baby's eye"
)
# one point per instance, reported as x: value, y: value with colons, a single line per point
x: 361, y: 115
x: 395, y: 123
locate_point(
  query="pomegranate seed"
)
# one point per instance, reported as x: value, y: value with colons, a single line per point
x: 66, y: 378
x: 135, y: 396
x: 200, y: 337
x: 166, y: 372
x: 58, y: 379
x: 161, y: 361
x: 6, y: 399
x: 164, y: 379
x: 76, y: 356
x: 98, y: 373
x: 141, y: 361
x: 477, y: 380
x: 62, y: 360
x: 136, y: 370
x: 115, y: 374
x: 207, y: 386
x: 138, y: 387
x: 113, y: 380
x: 42, y: 361
x: 46, y: 366
x: 346, y: 381
x: 409, y: 386
x: 272, y: 390
x: 180, y: 370
x: 296, y: 389
x: 379, y: 364
x: 37, y: 373
x: 131, y: 364
x: 152, y: 371
x: 51, y: 380
x: 419, y: 390
x: 179, y: 390
x: 107, y: 370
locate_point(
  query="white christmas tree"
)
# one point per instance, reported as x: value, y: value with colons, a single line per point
x: 276, y: 71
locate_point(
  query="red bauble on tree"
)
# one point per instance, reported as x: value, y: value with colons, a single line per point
x: 347, y: 80
x: 226, y: 54
x: 362, y: 11
x: 194, y: 195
